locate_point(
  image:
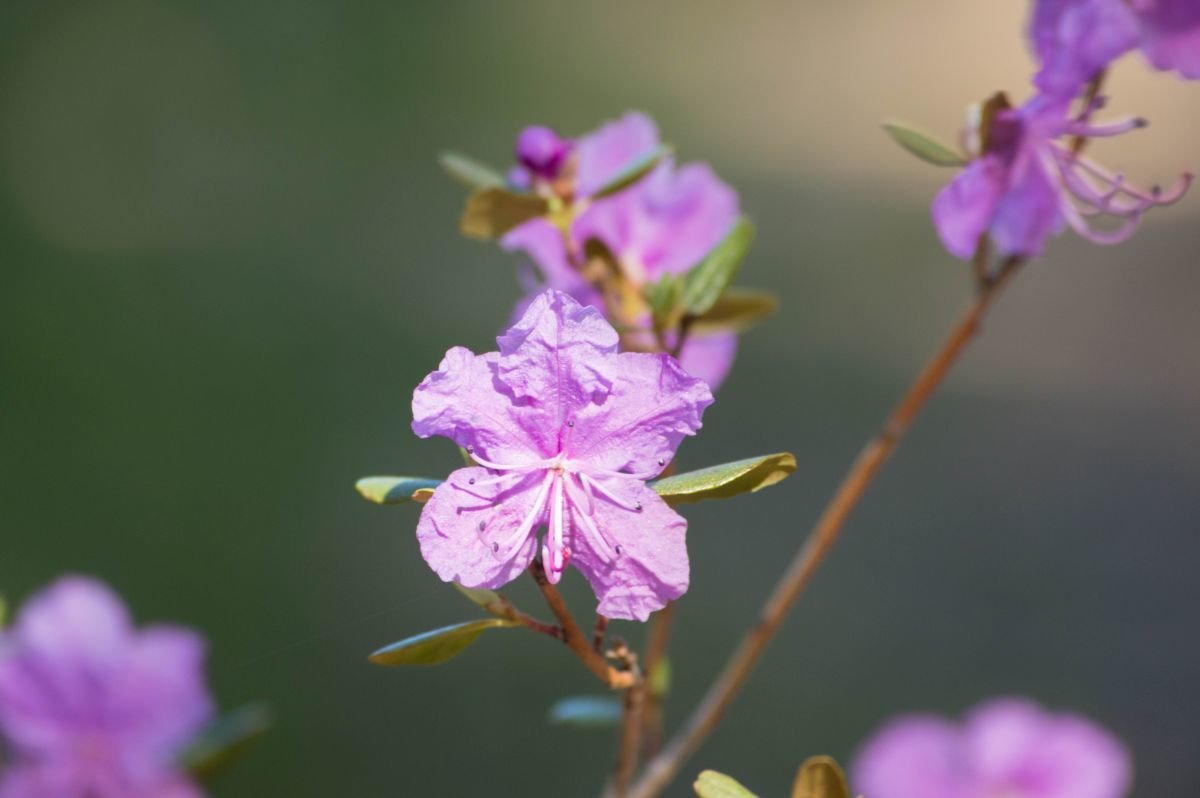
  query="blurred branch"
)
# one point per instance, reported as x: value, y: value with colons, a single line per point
x: 808, y: 559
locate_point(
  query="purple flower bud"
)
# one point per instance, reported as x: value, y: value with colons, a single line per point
x: 542, y: 151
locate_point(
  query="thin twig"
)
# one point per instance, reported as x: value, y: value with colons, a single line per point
x: 598, y: 632
x: 721, y: 693
x: 631, y: 736
x: 656, y: 652
x: 573, y: 636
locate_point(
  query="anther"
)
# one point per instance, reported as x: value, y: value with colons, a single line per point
x: 470, y: 450
x: 571, y: 423
x: 471, y: 481
x: 618, y: 548
x: 662, y: 462
x: 495, y: 548
x: 637, y: 506
x: 482, y: 526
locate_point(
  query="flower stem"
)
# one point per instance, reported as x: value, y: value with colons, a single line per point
x: 721, y: 693
x: 574, y: 637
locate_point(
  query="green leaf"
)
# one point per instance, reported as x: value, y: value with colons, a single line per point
x: 225, y: 740
x: 658, y: 681
x: 3, y: 612
x: 633, y: 173
x: 480, y: 595
x: 707, y: 280
x: 726, y: 480
x: 492, y: 212
x: 820, y: 777
x: 923, y: 145
x: 470, y: 172
x: 711, y: 784
x: 434, y: 648
x: 396, y: 490
x: 737, y: 310
x: 663, y: 298
x: 586, y: 712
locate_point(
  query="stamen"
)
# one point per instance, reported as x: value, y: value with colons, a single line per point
x: 1108, y: 129
x: 604, y: 547
x: 531, y: 518
x: 531, y: 466
x: 595, y: 485
x: 556, y: 562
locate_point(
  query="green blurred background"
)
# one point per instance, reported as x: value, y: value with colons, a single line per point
x: 228, y: 256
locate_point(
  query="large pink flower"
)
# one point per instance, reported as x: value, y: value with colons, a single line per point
x: 1005, y: 747
x: 91, y: 707
x: 565, y: 431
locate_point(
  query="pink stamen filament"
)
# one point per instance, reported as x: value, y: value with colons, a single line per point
x: 599, y: 539
x: 518, y: 467
x: 1118, y: 128
x: 598, y: 487
x: 505, y: 548
x: 554, y: 556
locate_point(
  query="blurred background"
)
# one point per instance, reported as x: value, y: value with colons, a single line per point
x: 228, y: 256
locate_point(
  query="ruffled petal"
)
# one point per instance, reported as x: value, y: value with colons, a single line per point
x: 613, y: 147
x: 1075, y: 39
x: 963, y: 209
x: 465, y: 402
x: 914, y: 756
x: 466, y: 531
x: 652, y: 406
x: 557, y: 360
x: 641, y: 563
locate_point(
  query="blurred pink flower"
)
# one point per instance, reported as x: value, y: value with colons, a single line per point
x: 664, y: 224
x: 91, y: 707
x: 1028, y: 184
x: 1075, y: 39
x: 565, y: 431
x: 1006, y: 747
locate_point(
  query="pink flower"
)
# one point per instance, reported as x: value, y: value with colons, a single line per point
x: 565, y: 431
x: 664, y: 224
x: 91, y: 707
x: 1026, y: 184
x: 1006, y: 747
x: 1075, y: 39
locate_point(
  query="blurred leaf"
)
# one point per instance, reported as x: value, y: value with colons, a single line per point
x: 437, y: 646
x: 470, y: 172
x: 225, y: 740
x: 663, y: 298
x: 706, y: 281
x: 711, y: 784
x: 492, y: 212
x: 923, y: 145
x: 658, y: 681
x: 396, y: 490
x: 820, y: 777
x: 726, y: 480
x: 480, y: 595
x: 737, y: 310
x: 3, y: 612
x: 586, y: 712
x: 633, y: 173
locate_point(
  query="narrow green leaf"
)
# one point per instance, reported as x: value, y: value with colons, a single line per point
x: 3, y: 612
x: 225, y: 740
x: 480, y: 595
x: 396, y: 490
x: 707, y: 280
x: 663, y: 297
x: 923, y: 145
x: 711, y: 784
x: 658, y: 681
x: 820, y: 777
x: 726, y: 480
x: 492, y: 212
x: 437, y: 646
x: 470, y: 172
x: 737, y: 310
x: 633, y: 173
x: 586, y: 712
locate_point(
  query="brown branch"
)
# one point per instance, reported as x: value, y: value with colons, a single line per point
x: 598, y: 632
x: 656, y: 653
x: 573, y: 636
x: 631, y: 736
x: 721, y: 693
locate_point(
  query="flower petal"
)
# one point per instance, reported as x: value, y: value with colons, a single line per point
x: 1171, y: 35
x: 1029, y: 212
x: 543, y: 243
x: 649, y: 568
x: 1075, y: 39
x: 464, y: 402
x: 963, y: 209
x: 709, y: 357
x: 160, y: 692
x: 613, y: 147
x: 653, y: 405
x: 914, y: 756
x: 556, y: 361
x: 450, y: 534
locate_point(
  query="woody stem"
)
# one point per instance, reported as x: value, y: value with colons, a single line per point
x: 573, y: 636
x: 663, y: 767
